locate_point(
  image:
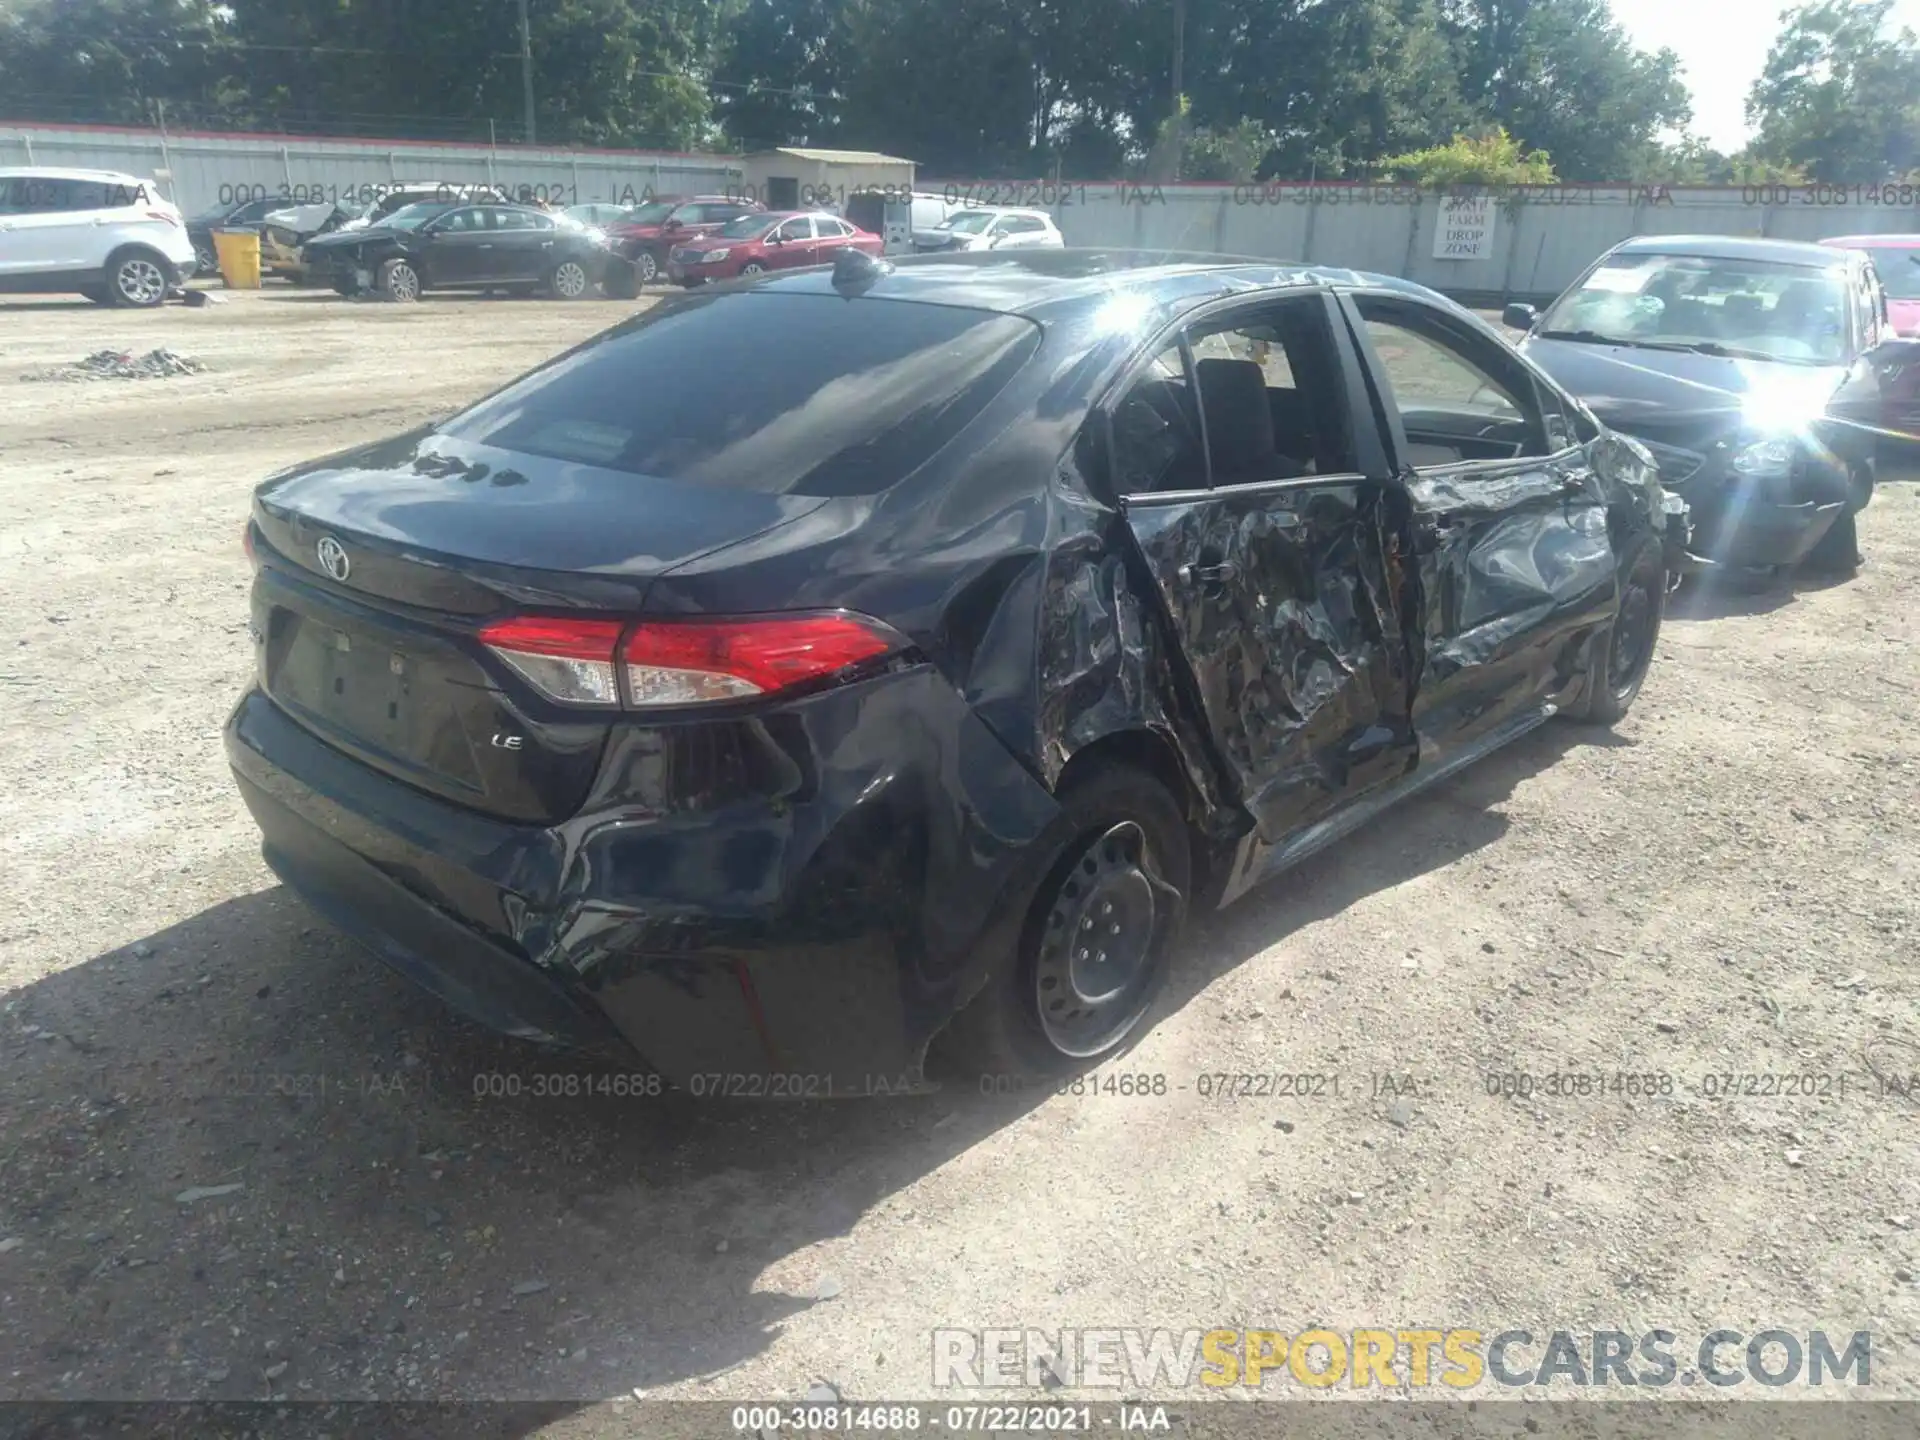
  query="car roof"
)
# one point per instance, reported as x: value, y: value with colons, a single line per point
x: 1006, y: 210
x: 1732, y: 247
x: 1022, y: 282
x: 66, y: 172
x: 1874, y: 242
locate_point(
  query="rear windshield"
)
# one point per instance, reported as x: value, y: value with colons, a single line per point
x: 780, y: 393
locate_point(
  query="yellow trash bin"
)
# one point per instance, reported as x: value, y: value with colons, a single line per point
x: 239, y: 255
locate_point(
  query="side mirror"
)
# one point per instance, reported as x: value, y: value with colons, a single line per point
x: 993, y: 241
x: 776, y: 238
x: 1518, y: 316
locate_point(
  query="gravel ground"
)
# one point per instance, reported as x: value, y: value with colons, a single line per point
x: 243, y: 1161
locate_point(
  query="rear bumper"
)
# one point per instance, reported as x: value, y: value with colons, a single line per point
x: 810, y: 941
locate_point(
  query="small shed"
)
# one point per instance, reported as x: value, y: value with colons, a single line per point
x: 796, y: 177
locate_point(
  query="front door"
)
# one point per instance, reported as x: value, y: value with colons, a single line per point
x: 1246, y: 486
x: 459, y: 251
x: 46, y: 225
x: 1515, y: 567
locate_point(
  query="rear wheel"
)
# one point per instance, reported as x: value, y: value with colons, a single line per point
x: 569, y: 280
x: 1099, y: 936
x: 399, y: 281
x: 1612, y: 688
x: 137, y: 279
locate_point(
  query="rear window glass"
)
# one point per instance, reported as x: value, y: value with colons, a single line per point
x: 802, y: 394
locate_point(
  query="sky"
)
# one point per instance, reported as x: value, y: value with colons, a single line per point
x: 1722, y: 45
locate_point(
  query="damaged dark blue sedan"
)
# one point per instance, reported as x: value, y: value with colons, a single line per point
x: 805, y: 667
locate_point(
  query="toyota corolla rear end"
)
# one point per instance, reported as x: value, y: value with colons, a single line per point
x: 560, y: 709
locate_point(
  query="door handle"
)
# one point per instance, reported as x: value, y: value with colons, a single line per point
x: 1209, y: 574
x: 484, y: 245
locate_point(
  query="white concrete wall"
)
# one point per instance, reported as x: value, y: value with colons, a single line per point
x: 209, y: 169
x: 1542, y: 239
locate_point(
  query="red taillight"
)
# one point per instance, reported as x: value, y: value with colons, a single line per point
x: 246, y: 538
x: 681, y: 662
x: 564, y: 659
x: 685, y: 662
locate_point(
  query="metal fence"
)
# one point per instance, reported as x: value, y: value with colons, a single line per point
x: 198, y: 171
x: 1520, y: 243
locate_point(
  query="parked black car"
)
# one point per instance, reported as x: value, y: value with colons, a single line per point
x: 240, y: 215
x: 994, y: 611
x: 1760, y: 374
x: 459, y: 247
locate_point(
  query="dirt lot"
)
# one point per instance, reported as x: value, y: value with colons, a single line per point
x: 1727, y: 885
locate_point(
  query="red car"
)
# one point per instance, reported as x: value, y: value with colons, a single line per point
x: 648, y: 231
x: 754, y: 244
x: 1897, y: 259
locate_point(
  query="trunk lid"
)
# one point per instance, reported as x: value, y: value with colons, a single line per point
x: 381, y: 565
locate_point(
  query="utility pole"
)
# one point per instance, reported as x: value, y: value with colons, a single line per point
x: 526, y: 68
x: 1179, y: 49
x: 1179, y: 59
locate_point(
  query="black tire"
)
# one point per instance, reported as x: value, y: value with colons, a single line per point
x: 1118, y: 855
x: 1614, y: 685
x: 138, y: 279
x: 206, y: 260
x: 1838, y: 551
x: 621, y: 283
x: 399, y: 282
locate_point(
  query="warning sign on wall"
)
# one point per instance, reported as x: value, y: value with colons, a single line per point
x: 1465, y: 228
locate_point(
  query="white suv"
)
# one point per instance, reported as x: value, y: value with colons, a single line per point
x: 992, y: 229
x: 110, y: 237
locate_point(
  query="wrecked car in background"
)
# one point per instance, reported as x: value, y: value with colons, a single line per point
x: 1762, y: 374
x: 995, y: 613
x: 284, y: 233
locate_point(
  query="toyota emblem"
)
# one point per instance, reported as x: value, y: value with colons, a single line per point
x: 333, y: 557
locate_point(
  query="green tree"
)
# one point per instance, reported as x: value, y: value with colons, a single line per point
x: 1494, y: 158
x: 1840, y: 95
x: 781, y: 74
x: 110, y: 61
x: 1691, y: 161
x: 1563, y: 76
x: 1338, y: 86
x: 997, y: 87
